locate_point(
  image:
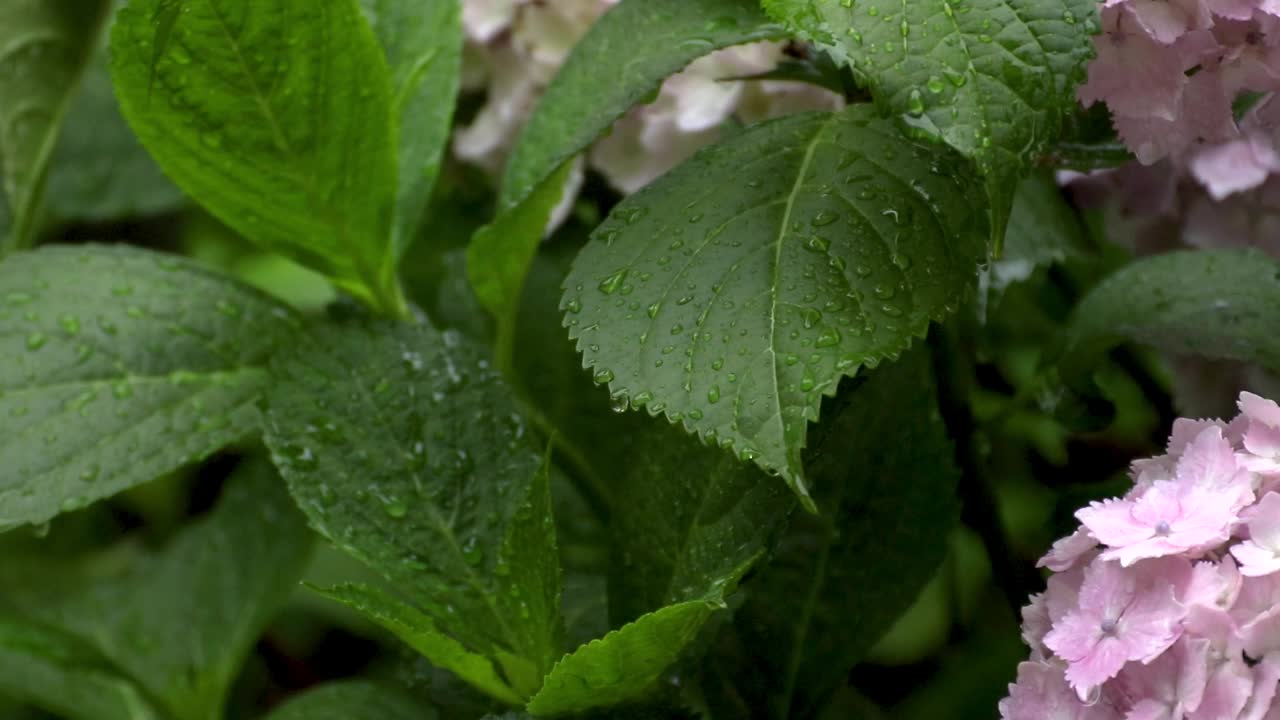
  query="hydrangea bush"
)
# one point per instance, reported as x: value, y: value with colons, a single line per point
x: 508, y: 359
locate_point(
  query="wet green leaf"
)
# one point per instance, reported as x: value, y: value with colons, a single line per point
x: 423, y: 42
x: 44, y: 48
x: 118, y: 365
x: 276, y: 116
x: 405, y: 448
x: 352, y: 700
x: 237, y: 566
x: 838, y: 579
x: 736, y: 291
x: 1206, y: 303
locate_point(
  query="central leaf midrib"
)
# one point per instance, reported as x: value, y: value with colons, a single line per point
x: 775, y: 285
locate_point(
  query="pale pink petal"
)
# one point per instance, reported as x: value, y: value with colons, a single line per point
x: 1041, y: 693
x: 1255, y: 561
x: 1235, y: 166
x: 1260, y: 409
x: 1135, y: 75
x: 1068, y: 551
x: 1035, y: 625
x: 1167, y: 20
x: 1261, y: 634
x: 1226, y: 693
x: 1266, y: 675
x: 1113, y: 524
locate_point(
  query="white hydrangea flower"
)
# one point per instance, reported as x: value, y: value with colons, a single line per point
x: 516, y: 47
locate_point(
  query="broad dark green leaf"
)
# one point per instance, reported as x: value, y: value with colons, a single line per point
x: 118, y: 365
x: 622, y: 60
x: 276, y: 116
x: 44, y: 47
x: 405, y: 448
x: 59, y: 673
x: 839, y: 579
x: 99, y: 171
x: 181, y: 621
x: 1043, y: 230
x: 735, y: 292
x: 423, y: 43
x: 995, y: 79
x: 689, y: 520
x: 1207, y: 303
x: 623, y: 665
x: 353, y: 700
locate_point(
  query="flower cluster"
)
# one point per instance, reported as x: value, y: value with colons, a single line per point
x: 1171, y: 70
x: 515, y: 48
x: 1165, y: 604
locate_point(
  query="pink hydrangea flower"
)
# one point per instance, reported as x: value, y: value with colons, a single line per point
x: 1196, y: 509
x: 1260, y: 554
x: 1262, y: 437
x: 1041, y: 693
x: 1154, y: 628
x: 1117, y: 621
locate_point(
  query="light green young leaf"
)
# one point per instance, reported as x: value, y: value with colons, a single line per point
x: 736, y: 291
x: 60, y: 674
x: 499, y: 256
x: 420, y: 632
x: 99, y: 171
x: 994, y: 79
x: 405, y: 449
x: 1208, y: 303
x: 276, y: 116
x: 838, y: 580
x: 622, y: 60
x: 119, y: 365
x: 241, y: 562
x: 44, y: 47
x: 423, y: 43
x: 623, y: 665
x: 353, y: 700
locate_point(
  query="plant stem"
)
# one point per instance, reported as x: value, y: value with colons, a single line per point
x: 1016, y: 577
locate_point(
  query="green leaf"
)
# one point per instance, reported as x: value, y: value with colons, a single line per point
x: 623, y: 665
x: 622, y: 60
x: 1043, y: 230
x: 994, y: 79
x: 839, y: 579
x: 736, y: 291
x: 420, y: 632
x: 595, y: 87
x: 276, y: 116
x: 240, y: 563
x: 99, y: 171
x: 119, y: 365
x: 689, y: 520
x: 352, y: 700
x: 405, y: 449
x: 423, y: 43
x: 44, y: 47
x: 58, y: 673
x: 500, y: 254
x: 1208, y: 303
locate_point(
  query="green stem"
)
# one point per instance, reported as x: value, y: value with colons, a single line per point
x: 1016, y: 577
